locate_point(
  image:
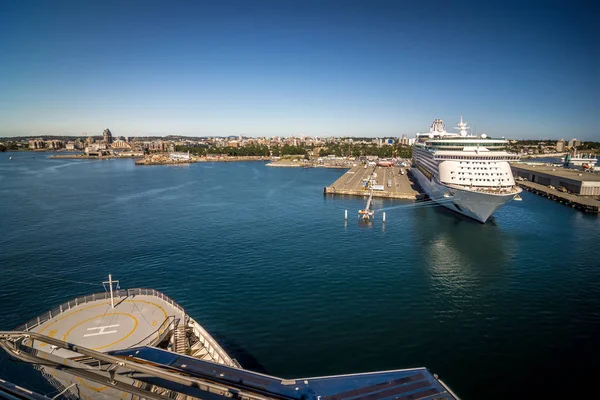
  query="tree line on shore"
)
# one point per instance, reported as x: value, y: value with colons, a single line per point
x: 250, y: 150
x: 339, y: 150
x: 357, y: 150
x: 9, y: 146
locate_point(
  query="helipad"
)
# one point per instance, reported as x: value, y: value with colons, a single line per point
x: 135, y: 320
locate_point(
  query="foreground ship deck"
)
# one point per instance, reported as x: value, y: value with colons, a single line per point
x: 135, y: 317
x: 136, y: 320
x: 139, y: 343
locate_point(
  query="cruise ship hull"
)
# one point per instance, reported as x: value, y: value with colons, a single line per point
x: 477, y: 205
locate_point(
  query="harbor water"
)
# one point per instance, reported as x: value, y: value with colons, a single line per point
x: 267, y: 264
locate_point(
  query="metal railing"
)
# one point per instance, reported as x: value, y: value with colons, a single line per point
x: 211, y: 345
x: 12, y: 343
x: 64, y: 307
x: 161, y: 332
x: 213, y: 348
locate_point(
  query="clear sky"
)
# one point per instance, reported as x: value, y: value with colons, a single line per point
x: 263, y: 68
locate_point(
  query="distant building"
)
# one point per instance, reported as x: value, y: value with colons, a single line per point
x: 54, y: 144
x: 574, y: 143
x: 121, y: 144
x: 180, y: 156
x: 560, y: 145
x: 107, y: 136
x: 96, y: 150
x: 389, y: 142
x: 404, y: 140
x: 36, y: 144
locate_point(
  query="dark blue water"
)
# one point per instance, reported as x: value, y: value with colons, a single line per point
x: 266, y: 263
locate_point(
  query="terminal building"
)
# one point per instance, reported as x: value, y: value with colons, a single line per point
x: 575, y: 181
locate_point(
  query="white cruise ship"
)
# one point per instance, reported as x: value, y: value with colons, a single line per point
x: 467, y: 174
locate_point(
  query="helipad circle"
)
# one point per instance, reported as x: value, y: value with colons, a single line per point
x: 103, y: 329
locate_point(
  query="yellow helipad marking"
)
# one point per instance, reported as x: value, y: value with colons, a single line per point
x: 69, y: 314
x: 148, y: 302
x: 96, y: 389
x: 136, y: 323
x: 102, y: 303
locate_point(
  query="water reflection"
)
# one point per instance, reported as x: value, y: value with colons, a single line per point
x: 462, y: 253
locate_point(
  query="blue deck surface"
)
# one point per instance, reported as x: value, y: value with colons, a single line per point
x: 416, y: 383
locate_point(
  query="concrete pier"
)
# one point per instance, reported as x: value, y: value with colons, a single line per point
x: 585, y: 204
x: 351, y: 183
x: 580, y: 189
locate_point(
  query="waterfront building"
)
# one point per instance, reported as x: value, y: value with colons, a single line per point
x: 180, y: 156
x: 578, y: 182
x: 54, y: 144
x: 96, y: 150
x: 107, y: 136
x: 574, y: 143
x: 120, y: 144
x: 560, y: 145
x: 37, y: 144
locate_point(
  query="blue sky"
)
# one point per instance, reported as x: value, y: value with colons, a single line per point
x: 263, y: 68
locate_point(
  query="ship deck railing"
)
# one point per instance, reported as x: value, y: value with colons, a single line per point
x: 207, y: 340
x: 64, y: 307
x: 486, y: 189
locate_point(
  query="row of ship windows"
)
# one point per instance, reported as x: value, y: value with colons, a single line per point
x: 463, y: 144
x: 504, y: 158
x: 484, y: 180
x: 493, y: 160
x: 481, y: 173
x: 486, y: 168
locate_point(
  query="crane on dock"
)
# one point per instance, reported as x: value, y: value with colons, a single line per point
x: 367, y: 214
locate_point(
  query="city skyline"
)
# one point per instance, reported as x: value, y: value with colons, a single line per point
x: 342, y: 69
